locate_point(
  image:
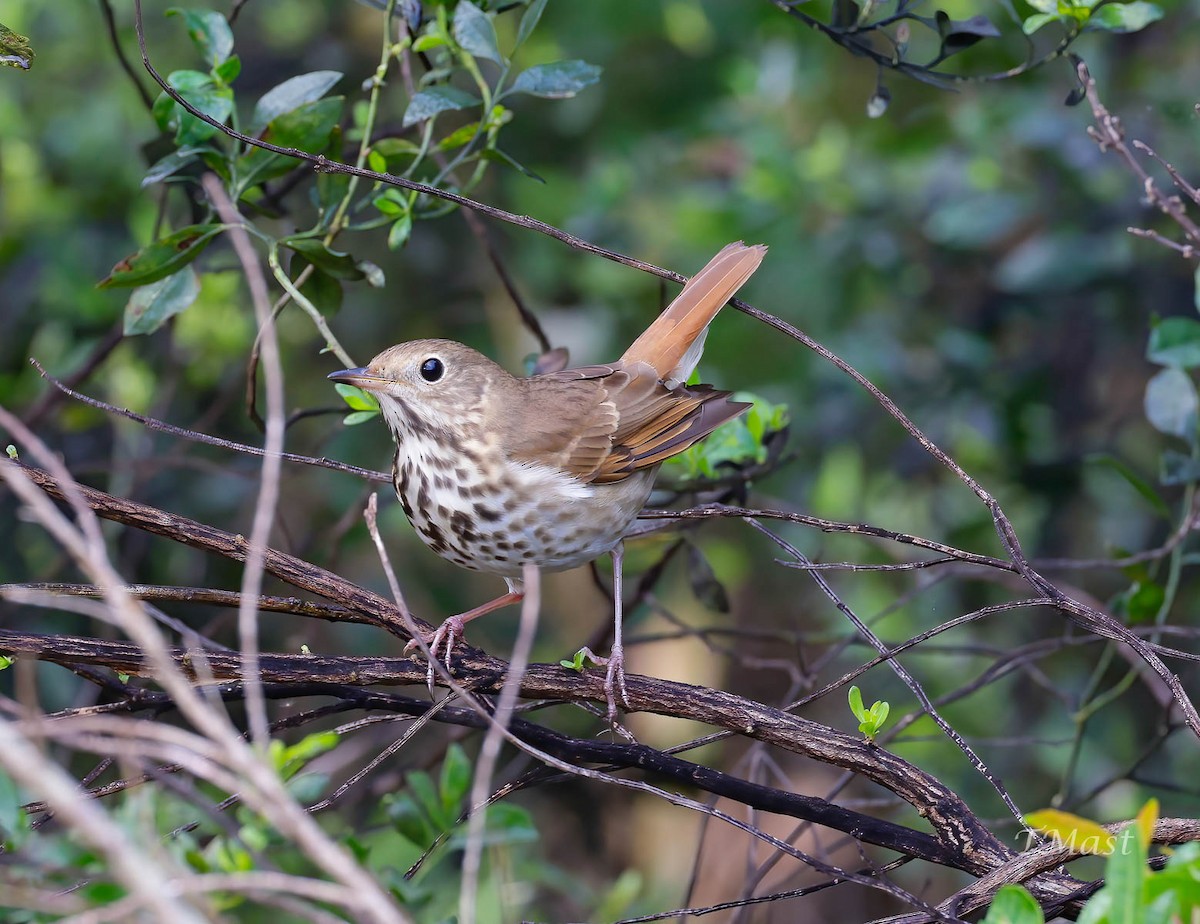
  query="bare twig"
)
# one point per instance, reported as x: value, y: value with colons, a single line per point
x: 268, y: 494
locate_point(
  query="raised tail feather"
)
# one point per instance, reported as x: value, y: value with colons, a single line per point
x: 667, y: 343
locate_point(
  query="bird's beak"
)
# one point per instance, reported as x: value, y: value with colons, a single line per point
x: 360, y: 377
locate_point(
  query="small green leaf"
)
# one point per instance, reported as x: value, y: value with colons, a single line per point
x: 209, y: 32
x: 1124, y: 17
x: 356, y: 398
x: 291, y: 95
x: 294, y: 757
x: 15, y: 50
x: 1172, y: 403
x: 456, y: 778
x: 474, y: 32
x: 171, y: 164
x: 1136, y: 481
x: 1037, y: 21
x: 529, y: 21
x: 1014, y: 905
x: 400, y: 231
x: 430, y: 40
x: 227, y: 71
x: 578, y: 661
x: 854, y: 697
x: 1177, y: 468
x: 960, y: 34
x: 394, y: 148
x: 317, y: 252
x: 1175, y: 341
x: 560, y: 80
x: 435, y: 100
x: 351, y: 420
x: 1142, y: 601
x: 495, y: 154
x: 150, y: 306
x: 162, y: 258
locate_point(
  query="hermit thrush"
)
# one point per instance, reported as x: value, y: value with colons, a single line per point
x: 495, y: 471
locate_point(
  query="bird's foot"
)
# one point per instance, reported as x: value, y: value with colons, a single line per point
x: 443, y: 638
x: 614, y: 678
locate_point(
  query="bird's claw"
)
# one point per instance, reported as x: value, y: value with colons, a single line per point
x: 443, y: 638
x: 614, y: 678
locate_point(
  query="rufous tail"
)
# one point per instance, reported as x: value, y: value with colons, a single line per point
x: 666, y: 343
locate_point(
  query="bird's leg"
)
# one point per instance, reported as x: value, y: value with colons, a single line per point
x: 614, y: 678
x: 450, y: 632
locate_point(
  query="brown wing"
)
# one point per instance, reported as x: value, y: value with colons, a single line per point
x: 603, y: 423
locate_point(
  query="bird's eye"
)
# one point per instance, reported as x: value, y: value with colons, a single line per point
x: 432, y: 369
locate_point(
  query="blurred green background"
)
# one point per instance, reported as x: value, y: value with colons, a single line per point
x: 966, y: 251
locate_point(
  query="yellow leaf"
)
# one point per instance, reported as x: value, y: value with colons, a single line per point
x: 1077, y: 834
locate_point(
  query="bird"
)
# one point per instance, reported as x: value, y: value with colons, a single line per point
x: 495, y: 471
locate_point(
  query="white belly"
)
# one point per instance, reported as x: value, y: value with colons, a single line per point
x: 534, y: 514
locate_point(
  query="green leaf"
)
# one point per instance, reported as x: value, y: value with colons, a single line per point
x: 12, y: 816
x: 960, y: 34
x: 1125, y: 876
x: 307, y: 128
x: 400, y: 231
x: 1177, y: 468
x: 170, y: 165
x: 15, y: 50
x: 577, y: 662
x: 202, y: 92
x: 317, y: 252
x: 393, y: 148
x: 358, y: 417
x: 1171, y: 403
x: 430, y: 40
x: 1175, y: 342
x: 435, y: 100
x: 474, y: 32
x: 498, y: 156
x: 291, y: 95
x: 209, y: 32
x: 1142, y: 601
x: 425, y: 794
x: 560, y: 80
x: 151, y: 305
x: 321, y: 289
x: 295, y: 756
x: 854, y: 697
x: 1136, y: 481
x: 1037, y: 20
x: 456, y: 778
x: 1014, y: 905
x: 1124, y: 17
x: 356, y: 398
x: 227, y: 71
x: 164, y: 257
x: 529, y: 21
